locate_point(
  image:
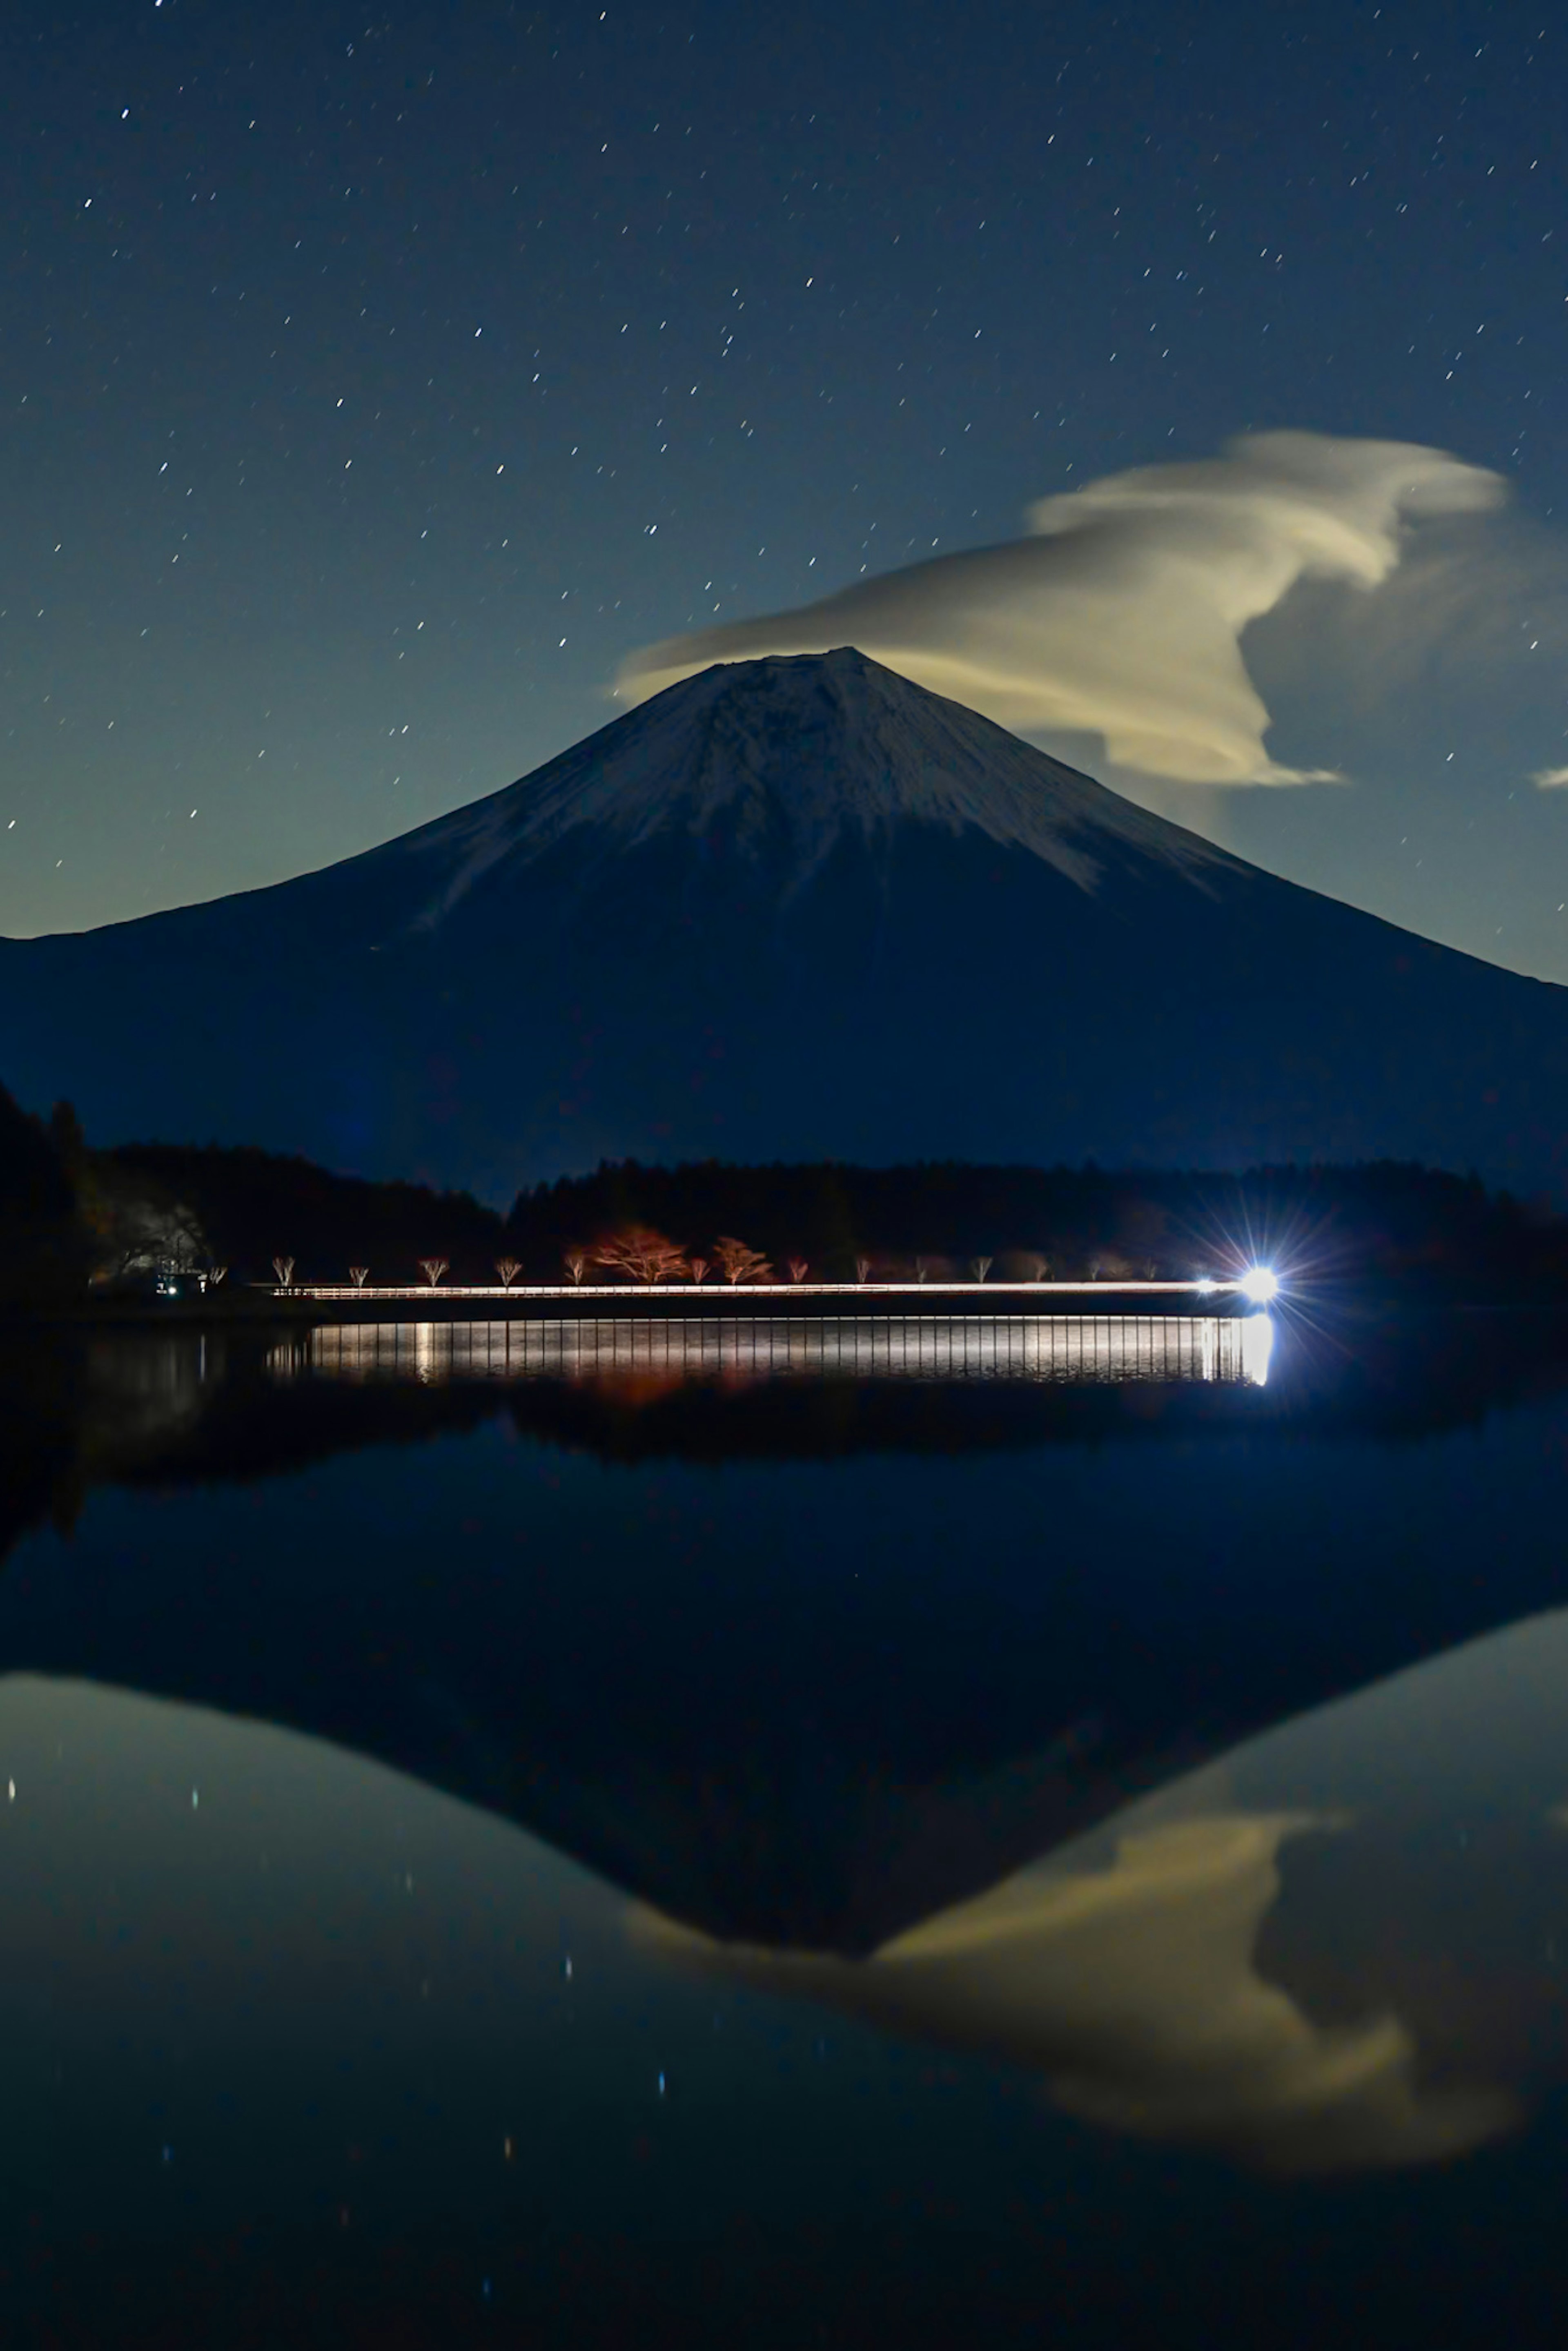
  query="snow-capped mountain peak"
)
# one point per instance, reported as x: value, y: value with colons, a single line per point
x: 807, y: 748
x: 793, y: 909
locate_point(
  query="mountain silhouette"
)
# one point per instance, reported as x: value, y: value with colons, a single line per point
x: 791, y: 908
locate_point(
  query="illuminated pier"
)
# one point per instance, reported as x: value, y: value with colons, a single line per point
x: 1256, y: 1287
x: 793, y: 1303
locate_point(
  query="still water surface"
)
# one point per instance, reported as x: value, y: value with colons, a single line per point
x: 808, y: 1838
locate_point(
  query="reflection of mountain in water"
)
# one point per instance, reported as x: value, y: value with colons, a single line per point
x: 768, y: 1756
x: 1340, y: 1946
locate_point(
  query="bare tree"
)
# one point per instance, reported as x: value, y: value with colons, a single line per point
x: 1035, y: 1266
x: 980, y: 1266
x: 921, y: 1268
x: 799, y: 1269
x: 576, y: 1263
x: 739, y: 1262
x: 283, y: 1267
x: 699, y: 1268
x: 509, y: 1269
x: 432, y: 1268
x: 863, y: 1268
x: 359, y: 1275
x: 638, y: 1251
x: 131, y: 1224
x: 215, y: 1274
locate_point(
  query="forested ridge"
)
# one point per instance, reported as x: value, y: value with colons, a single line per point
x: 75, y: 1220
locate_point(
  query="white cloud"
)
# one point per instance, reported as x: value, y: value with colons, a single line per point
x: 1120, y: 615
x: 1550, y: 777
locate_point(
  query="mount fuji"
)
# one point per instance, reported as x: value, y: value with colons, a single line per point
x: 793, y: 908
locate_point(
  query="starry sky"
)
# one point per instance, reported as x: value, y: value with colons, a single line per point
x: 374, y: 387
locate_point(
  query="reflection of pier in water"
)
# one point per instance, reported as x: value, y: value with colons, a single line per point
x: 1077, y: 1350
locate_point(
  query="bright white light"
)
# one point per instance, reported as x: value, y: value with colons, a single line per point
x: 1205, y: 1286
x: 1257, y: 1346
x: 1258, y: 1284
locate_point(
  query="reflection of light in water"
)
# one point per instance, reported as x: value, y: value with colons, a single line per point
x: 1134, y: 1992
x: 1257, y: 1346
x: 1065, y: 1350
x: 146, y: 1388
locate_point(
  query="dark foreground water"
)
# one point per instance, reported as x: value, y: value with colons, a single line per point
x: 772, y: 1837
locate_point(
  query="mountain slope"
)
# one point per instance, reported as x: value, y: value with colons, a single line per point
x: 791, y: 908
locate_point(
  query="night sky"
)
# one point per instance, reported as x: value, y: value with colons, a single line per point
x: 375, y: 388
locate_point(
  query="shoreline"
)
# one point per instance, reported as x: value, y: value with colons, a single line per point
x: 809, y: 1302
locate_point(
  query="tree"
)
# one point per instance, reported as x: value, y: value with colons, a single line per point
x: 47, y: 1244
x: 739, y: 1262
x: 136, y: 1226
x: 243, y: 1197
x: 640, y: 1252
x: 215, y: 1274
x: 509, y: 1269
x: 921, y: 1268
x: 980, y: 1266
x: 65, y: 1132
x: 576, y: 1263
x: 1036, y: 1266
x: 432, y: 1268
x: 863, y: 1268
x: 799, y: 1269
x: 359, y: 1275
x: 283, y: 1267
x: 699, y: 1268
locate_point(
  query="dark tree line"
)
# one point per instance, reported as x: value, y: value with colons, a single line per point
x: 61, y: 1206
x: 43, y: 1246
x: 254, y: 1206
x: 945, y: 1220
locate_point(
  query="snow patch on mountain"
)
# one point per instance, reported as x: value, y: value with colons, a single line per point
x: 811, y: 745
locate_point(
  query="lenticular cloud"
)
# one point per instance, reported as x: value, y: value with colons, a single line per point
x: 1121, y: 613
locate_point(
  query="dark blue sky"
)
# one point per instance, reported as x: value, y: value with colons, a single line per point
x: 372, y: 386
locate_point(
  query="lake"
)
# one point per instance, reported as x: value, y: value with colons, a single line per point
x: 785, y: 1833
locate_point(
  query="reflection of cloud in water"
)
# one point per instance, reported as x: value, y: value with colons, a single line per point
x: 1134, y: 1991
